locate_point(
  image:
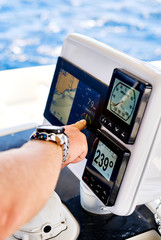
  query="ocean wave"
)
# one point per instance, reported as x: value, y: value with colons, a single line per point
x: 32, y: 32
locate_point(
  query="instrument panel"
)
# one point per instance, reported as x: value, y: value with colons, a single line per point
x: 114, y: 114
x: 127, y: 99
x: 105, y: 167
x: 75, y: 95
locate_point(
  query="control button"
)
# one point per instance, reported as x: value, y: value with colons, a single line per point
x: 86, y: 179
x: 87, y: 173
x: 109, y: 125
x: 123, y: 135
x: 116, y: 129
x: 103, y: 120
x: 99, y: 186
x: 97, y: 191
x: 105, y: 193
x: 91, y: 185
x: 103, y: 198
x: 92, y: 179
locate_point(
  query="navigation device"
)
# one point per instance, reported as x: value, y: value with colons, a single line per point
x: 119, y: 96
x: 126, y: 102
x: 105, y: 167
x: 75, y: 95
x: 119, y: 108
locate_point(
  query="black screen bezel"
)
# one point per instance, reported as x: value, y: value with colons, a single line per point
x: 113, y: 185
x: 86, y: 78
x: 130, y: 80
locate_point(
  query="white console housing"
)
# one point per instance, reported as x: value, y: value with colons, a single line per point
x: 142, y: 179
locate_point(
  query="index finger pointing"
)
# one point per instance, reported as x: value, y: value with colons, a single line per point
x: 80, y: 124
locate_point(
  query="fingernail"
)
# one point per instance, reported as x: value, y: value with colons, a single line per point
x: 82, y: 120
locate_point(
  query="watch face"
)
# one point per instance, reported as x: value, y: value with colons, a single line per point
x: 50, y: 129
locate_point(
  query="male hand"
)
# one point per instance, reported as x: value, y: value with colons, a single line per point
x: 78, y: 144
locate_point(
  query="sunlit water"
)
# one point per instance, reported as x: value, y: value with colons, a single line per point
x: 32, y: 32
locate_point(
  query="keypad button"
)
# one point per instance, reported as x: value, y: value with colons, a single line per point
x: 97, y: 191
x: 92, y: 179
x: 105, y: 193
x: 86, y: 179
x: 117, y: 130
x: 103, y: 120
x: 123, y: 135
x: 110, y: 125
x: 114, y: 128
x: 103, y: 198
x: 99, y: 186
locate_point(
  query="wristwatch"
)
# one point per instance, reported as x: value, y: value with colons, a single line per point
x: 55, y: 134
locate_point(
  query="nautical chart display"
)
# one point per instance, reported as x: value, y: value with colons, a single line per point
x: 74, y: 95
x: 64, y: 95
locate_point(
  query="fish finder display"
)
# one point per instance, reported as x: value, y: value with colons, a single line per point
x: 104, y: 160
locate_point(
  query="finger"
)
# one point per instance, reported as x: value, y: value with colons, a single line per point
x: 80, y: 124
x: 81, y: 157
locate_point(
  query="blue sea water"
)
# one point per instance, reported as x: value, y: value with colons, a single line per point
x: 32, y: 31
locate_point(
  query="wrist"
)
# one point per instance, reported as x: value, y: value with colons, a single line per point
x: 53, y: 134
x: 49, y: 151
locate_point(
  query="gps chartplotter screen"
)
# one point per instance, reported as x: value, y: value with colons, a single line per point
x: 74, y: 95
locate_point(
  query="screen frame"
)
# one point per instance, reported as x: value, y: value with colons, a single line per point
x: 82, y: 76
x: 113, y: 185
x: 144, y: 89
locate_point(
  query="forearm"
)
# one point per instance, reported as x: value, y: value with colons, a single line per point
x: 28, y: 177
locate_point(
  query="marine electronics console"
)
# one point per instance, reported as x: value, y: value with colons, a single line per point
x: 120, y: 98
x: 119, y: 108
